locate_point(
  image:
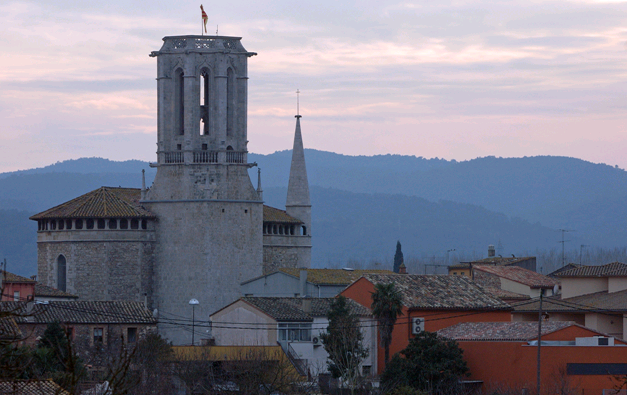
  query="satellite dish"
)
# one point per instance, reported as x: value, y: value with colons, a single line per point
x: 556, y: 288
x: 155, y: 314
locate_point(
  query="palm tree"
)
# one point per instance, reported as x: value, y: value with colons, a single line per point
x: 387, y: 306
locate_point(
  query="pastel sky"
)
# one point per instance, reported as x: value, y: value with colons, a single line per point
x: 450, y: 79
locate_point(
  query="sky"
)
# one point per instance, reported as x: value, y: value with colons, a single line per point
x: 449, y: 79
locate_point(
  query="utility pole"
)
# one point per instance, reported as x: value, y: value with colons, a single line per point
x: 563, y: 244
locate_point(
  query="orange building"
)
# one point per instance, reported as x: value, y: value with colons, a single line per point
x: 503, y: 355
x: 430, y: 303
x: 17, y: 288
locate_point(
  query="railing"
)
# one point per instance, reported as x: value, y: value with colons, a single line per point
x: 299, y: 364
x: 174, y: 157
x: 205, y: 157
x: 234, y: 157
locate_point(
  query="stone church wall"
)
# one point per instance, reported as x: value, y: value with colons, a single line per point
x: 100, y: 270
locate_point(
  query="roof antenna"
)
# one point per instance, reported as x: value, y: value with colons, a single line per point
x: 216, y: 30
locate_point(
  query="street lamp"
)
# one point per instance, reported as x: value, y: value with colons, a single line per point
x: 193, y: 303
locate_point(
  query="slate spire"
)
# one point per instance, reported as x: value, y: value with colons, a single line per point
x: 298, y: 204
x: 298, y: 186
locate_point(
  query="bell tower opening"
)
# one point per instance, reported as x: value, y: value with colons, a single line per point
x: 179, y: 101
x: 204, y: 101
x: 230, y: 102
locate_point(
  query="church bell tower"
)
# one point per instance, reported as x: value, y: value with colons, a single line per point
x: 209, y: 216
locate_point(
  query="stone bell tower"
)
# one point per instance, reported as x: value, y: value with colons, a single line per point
x: 209, y: 216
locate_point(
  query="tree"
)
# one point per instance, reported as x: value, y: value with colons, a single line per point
x: 387, y: 306
x: 343, y: 341
x: 429, y: 363
x: 398, y: 257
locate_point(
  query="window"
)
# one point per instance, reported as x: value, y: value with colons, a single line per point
x: 101, y: 223
x: 98, y: 336
x: 179, y: 101
x: 134, y: 224
x: 123, y: 224
x: 90, y: 223
x: 295, y: 332
x: 61, y: 273
x: 113, y: 224
x: 16, y: 296
x: 131, y: 335
x: 68, y: 224
x: 79, y: 224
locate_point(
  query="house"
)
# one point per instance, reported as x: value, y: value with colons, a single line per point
x: 503, y: 355
x: 294, y: 323
x: 465, y: 268
x: 430, y: 303
x: 315, y: 283
x: 594, y: 296
x: 514, y: 279
x: 92, y: 325
x: 16, y: 288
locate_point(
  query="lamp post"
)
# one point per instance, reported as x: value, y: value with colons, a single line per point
x: 193, y: 303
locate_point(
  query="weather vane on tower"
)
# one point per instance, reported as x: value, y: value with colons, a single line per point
x: 297, y: 103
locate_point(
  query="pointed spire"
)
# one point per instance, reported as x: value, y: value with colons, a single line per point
x: 259, y: 190
x: 298, y: 186
x: 143, y: 194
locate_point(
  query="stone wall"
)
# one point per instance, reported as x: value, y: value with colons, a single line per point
x: 113, y: 269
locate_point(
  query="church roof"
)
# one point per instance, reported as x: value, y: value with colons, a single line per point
x: 104, y: 202
x: 50, y: 292
x: 271, y: 214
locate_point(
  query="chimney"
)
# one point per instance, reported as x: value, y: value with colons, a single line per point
x: 303, y: 283
x: 491, y: 251
x: 306, y: 305
x: 402, y: 269
x: 143, y: 192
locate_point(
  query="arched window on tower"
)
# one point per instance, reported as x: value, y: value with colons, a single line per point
x: 303, y: 230
x: 230, y: 102
x: 204, y: 101
x: 179, y: 101
x: 61, y: 273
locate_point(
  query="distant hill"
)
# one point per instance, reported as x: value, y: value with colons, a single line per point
x: 365, y: 203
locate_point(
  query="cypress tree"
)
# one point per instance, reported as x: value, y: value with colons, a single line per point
x: 398, y: 257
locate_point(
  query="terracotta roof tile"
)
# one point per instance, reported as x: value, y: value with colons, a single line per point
x: 104, y: 202
x: 271, y: 214
x: 499, y: 261
x: 501, y: 331
x: 14, y: 278
x: 81, y: 312
x: 607, y: 270
x: 440, y: 292
x: 44, y: 290
x: 332, y: 276
x: 519, y: 275
x: 598, y: 301
x: 9, y: 329
x: 31, y: 387
x: 503, y: 294
x: 291, y: 309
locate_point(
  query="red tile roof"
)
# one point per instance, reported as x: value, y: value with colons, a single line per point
x: 104, y: 202
x: 617, y: 269
x: 501, y: 331
x: 14, y: 278
x: 499, y: 261
x: 519, y: 275
x: 80, y: 312
x: 614, y: 302
x: 440, y: 292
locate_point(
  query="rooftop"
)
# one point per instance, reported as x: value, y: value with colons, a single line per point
x: 14, y: 278
x: 500, y: 261
x: 292, y: 309
x: 80, y: 312
x: 44, y: 290
x: 501, y: 331
x: 31, y: 387
x: 440, y: 292
x: 271, y: 214
x: 615, y: 302
x: 519, y: 275
x: 332, y: 276
x: 614, y: 269
x: 104, y: 202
